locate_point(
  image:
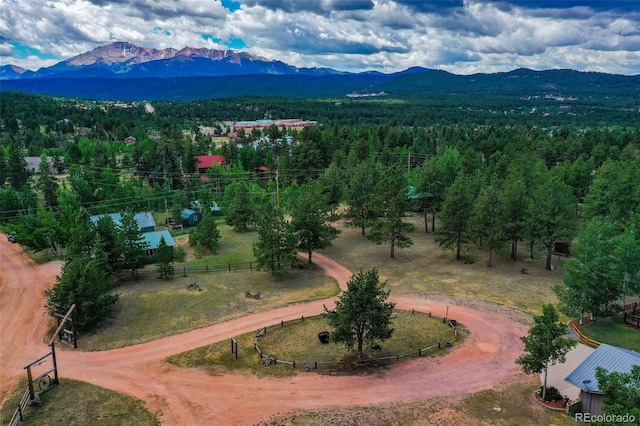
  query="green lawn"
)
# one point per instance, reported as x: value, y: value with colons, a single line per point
x: 297, y: 341
x: 613, y: 332
x: 152, y: 308
x: 80, y: 403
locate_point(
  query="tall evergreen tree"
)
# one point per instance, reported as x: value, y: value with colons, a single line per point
x: 430, y: 191
x: 486, y: 221
x: 133, y: 246
x: 332, y: 186
x: 164, y: 260
x: 515, y: 210
x: 362, y: 314
x: 17, y: 172
x: 554, y: 214
x: 86, y: 282
x: 47, y: 183
x: 393, y: 202
x: 276, y: 246
x: 455, y: 214
x: 360, y: 194
x: 239, y: 208
x: 206, y: 233
x: 309, y: 219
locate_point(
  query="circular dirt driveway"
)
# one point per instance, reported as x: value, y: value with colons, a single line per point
x: 194, y: 397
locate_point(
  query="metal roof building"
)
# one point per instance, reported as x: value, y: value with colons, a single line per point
x: 146, y: 222
x: 612, y: 359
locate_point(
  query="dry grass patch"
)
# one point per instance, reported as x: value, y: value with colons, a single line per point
x: 424, y: 270
x: 151, y: 309
x: 80, y: 403
x: 298, y: 342
x: 510, y: 405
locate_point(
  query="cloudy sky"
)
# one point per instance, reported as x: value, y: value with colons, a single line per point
x: 460, y: 36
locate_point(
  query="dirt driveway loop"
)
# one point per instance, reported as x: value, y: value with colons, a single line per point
x: 189, y: 397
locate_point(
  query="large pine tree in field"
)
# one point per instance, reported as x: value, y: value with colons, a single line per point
x: 362, y: 315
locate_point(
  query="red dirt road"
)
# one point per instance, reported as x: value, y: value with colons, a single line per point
x: 191, y: 397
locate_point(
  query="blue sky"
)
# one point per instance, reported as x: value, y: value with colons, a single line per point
x: 460, y: 36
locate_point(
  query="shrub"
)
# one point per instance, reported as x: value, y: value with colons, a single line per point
x: 179, y: 254
x: 552, y: 394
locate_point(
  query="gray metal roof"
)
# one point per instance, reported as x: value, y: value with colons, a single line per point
x: 611, y: 358
x: 144, y: 219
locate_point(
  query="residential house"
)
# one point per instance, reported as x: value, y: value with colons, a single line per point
x: 206, y: 161
x: 33, y: 164
x: 612, y: 359
x: 146, y: 224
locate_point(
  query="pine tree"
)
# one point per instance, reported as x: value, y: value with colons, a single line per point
x: 276, y: 246
x: 309, y: 219
x: 132, y: 244
x: 455, y: 215
x: 362, y: 315
x: 85, y: 281
x: 47, y: 183
x: 165, y: 260
x: 392, y: 200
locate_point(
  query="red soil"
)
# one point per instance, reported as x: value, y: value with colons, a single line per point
x: 194, y: 397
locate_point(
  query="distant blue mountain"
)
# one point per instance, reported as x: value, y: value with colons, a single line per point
x: 124, y: 71
x: 125, y: 60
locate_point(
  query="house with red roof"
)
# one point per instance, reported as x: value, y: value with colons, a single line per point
x: 206, y: 161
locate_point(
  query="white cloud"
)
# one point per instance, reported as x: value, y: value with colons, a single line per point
x: 352, y: 35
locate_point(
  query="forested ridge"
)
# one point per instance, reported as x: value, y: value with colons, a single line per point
x: 488, y: 174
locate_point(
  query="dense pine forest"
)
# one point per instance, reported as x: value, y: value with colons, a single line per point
x: 501, y: 174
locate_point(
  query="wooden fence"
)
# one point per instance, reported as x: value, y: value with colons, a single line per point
x: 583, y: 338
x: 632, y: 317
x: 185, y: 270
x: 271, y: 359
x: 17, y: 415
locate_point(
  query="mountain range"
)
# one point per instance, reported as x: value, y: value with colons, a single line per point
x: 124, y: 71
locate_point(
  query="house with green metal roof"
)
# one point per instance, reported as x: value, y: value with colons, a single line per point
x: 146, y: 224
x: 153, y: 242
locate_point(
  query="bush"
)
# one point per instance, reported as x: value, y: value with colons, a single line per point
x: 179, y: 254
x: 552, y: 394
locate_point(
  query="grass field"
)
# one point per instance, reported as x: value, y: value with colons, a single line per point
x: 613, y: 332
x: 424, y: 269
x: 152, y: 308
x: 510, y: 405
x: 80, y: 403
x: 297, y: 341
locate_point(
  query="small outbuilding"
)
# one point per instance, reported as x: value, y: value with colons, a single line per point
x: 190, y: 217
